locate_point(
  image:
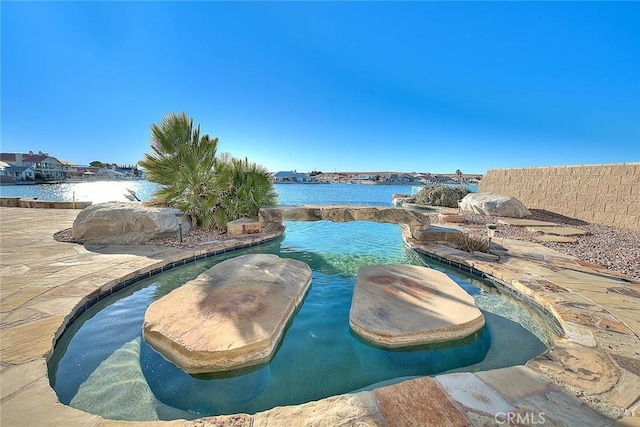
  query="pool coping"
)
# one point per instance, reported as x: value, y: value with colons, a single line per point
x: 40, y: 297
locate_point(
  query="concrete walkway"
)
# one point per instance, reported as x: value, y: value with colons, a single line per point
x: 44, y: 283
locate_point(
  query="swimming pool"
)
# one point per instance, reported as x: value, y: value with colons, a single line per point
x: 318, y: 356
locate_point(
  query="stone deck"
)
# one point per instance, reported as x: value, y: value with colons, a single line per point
x: 559, y: 231
x: 44, y: 282
x: 523, y: 222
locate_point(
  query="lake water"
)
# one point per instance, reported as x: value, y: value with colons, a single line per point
x: 288, y: 194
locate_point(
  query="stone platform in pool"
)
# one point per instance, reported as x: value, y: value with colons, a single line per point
x: 400, y: 305
x: 231, y: 316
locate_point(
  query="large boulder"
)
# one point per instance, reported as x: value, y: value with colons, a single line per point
x: 491, y: 204
x: 401, y: 305
x: 118, y: 223
x: 231, y: 316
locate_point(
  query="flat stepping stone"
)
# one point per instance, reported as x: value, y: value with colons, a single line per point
x: 517, y: 222
x: 231, y: 316
x: 439, y: 233
x: 456, y: 218
x: 559, y: 231
x: 400, y: 305
x: 557, y: 239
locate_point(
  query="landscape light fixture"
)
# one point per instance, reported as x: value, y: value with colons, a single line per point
x: 491, y: 231
x: 180, y: 218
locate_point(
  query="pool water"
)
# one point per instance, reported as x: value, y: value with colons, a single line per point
x: 319, y: 356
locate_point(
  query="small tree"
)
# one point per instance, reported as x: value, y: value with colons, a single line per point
x: 212, y: 190
x: 183, y: 163
x: 246, y: 187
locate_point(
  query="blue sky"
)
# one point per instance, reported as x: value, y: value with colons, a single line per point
x: 346, y: 86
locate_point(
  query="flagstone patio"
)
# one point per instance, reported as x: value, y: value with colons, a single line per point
x: 590, y: 377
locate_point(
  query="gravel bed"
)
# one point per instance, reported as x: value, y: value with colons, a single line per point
x: 190, y: 240
x: 614, y: 248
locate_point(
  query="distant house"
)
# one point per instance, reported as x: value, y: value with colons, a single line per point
x: 333, y: 177
x: 42, y: 165
x: 69, y: 170
x: 110, y: 174
x: 12, y: 173
x: 130, y: 171
x: 284, y: 177
x: 21, y: 173
x: 362, y: 177
x: 398, y: 178
x: 435, y: 179
x: 389, y: 177
x: 407, y: 179
x: 87, y: 172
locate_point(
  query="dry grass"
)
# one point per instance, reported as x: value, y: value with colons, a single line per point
x: 471, y: 242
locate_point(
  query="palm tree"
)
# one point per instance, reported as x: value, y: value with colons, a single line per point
x: 195, y: 180
x: 248, y: 186
x: 459, y: 173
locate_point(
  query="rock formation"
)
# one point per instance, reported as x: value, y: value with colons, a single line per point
x: 271, y: 218
x: 119, y: 223
x: 493, y: 205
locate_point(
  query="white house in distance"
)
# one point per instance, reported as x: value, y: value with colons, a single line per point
x: 41, y: 164
x: 284, y: 177
x: 10, y: 174
x: 110, y: 174
x: 399, y: 178
x: 363, y: 177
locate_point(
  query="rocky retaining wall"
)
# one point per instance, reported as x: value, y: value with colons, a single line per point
x: 25, y: 202
x: 607, y: 194
x: 271, y: 218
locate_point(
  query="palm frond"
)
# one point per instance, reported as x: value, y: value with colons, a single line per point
x: 214, y: 189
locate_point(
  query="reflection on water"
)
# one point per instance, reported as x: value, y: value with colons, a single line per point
x: 94, y: 191
x: 288, y: 194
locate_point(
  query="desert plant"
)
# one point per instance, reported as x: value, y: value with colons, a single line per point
x: 441, y: 195
x: 246, y: 187
x: 471, y: 242
x: 183, y: 164
x: 211, y: 189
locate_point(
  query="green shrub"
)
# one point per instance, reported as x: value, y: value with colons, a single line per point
x: 212, y: 189
x: 441, y: 195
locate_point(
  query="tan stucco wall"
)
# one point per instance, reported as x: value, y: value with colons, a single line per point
x: 607, y: 194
